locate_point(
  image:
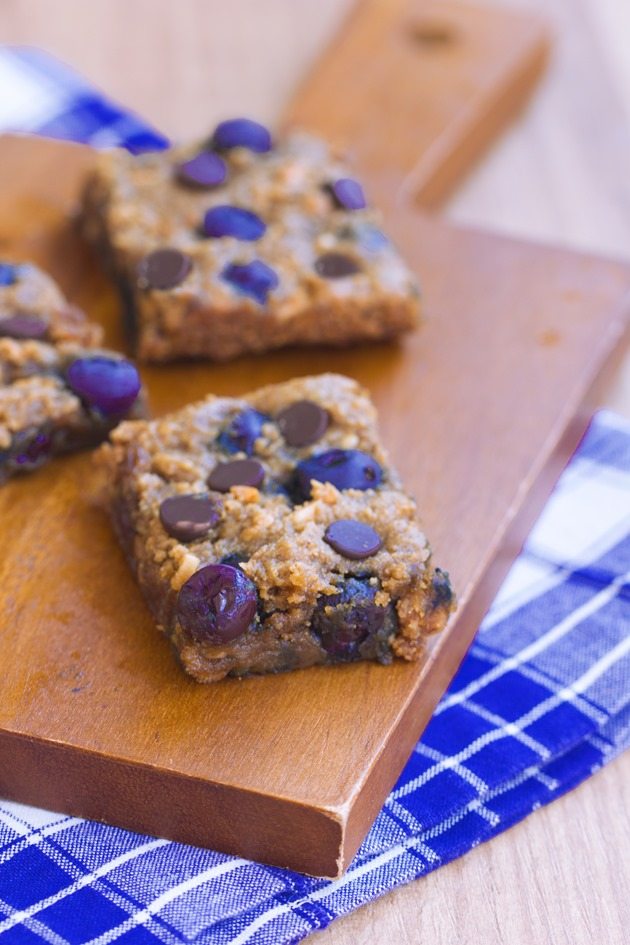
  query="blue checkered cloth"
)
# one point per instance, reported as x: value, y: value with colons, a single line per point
x: 541, y: 702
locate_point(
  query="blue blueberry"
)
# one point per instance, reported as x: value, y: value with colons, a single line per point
x: 109, y: 385
x: 343, y: 622
x: 254, y: 279
x: 348, y: 194
x: 242, y: 432
x: 8, y: 273
x: 345, y: 469
x: 217, y: 604
x: 242, y: 133
x: 225, y: 220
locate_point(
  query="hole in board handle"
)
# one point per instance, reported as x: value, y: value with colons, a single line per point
x: 433, y: 34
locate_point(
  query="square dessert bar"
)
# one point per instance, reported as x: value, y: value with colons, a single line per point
x: 58, y: 391
x: 241, y: 244
x: 270, y: 532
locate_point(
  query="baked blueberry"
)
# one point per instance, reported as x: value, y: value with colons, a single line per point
x: 241, y: 133
x: 343, y: 622
x: 242, y: 432
x: 255, y: 279
x: 109, y: 385
x: 217, y: 604
x: 345, y: 469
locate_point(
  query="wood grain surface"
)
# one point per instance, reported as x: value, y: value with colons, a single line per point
x: 480, y: 409
x: 560, y: 174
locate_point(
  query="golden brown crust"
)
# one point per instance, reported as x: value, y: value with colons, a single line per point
x: 281, y: 543
x: 133, y: 205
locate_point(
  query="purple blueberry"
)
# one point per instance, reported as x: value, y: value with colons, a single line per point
x: 109, y: 385
x: 217, y: 604
x: 242, y: 432
x: 241, y: 133
x: 205, y: 169
x: 342, y: 622
x: 8, y: 273
x: 254, y: 279
x: 348, y: 194
x: 226, y: 220
x: 30, y: 449
x: 345, y: 469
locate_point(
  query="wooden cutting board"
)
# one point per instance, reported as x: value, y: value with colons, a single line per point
x: 480, y: 409
x: 419, y: 88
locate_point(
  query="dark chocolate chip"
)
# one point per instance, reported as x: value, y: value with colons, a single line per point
x: 336, y: 266
x: 303, y: 422
x: 344, y: 622
x: 217, y: 604
x: 348, y: 194
x: 110, y: 385
x: 23, y: 326
x: 242, y: 133
x: 8, y: 273
x: 238, y: 472
x: 204, y: 170
x: 163, y: 269
x: 345, y: 469
x: 226, y: 220
x: 352, y: 539
x: 254, y: 279
x: 243, y: 431
x: 189, y: 517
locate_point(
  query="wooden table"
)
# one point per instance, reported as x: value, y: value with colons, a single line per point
x: 560, y: 174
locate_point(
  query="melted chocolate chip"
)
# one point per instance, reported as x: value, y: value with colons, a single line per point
x: 238, y: 472
x: 202, y: 171
x: 336, y: 266
x: 163, y: 269
x: 217, y: 604
x: 352, y: 539
x: 23, y: 326
x: 303, y: 422
x: 189, y: 517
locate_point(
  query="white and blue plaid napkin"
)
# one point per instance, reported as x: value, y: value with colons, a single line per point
x: 541, y: 702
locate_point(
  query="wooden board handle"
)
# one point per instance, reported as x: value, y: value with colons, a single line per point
x: 420, y: 87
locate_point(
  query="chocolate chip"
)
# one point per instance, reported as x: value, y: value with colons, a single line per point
x: 23, y: 326
x: 238, y: 472
x: 241, y: 133
x: 303, y: 422
x: 336, y: 266
x: 189, y: 517
x: 204, y: 170
x: 255, y: 279
x: 352, y: 539
x: 226, y: 220
x: 348, y: 194
x: 163, y: 269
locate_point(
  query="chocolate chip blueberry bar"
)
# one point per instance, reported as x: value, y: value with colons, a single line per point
x: 243, y: 244
x: 270, y: 532
x: 58, y: 391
